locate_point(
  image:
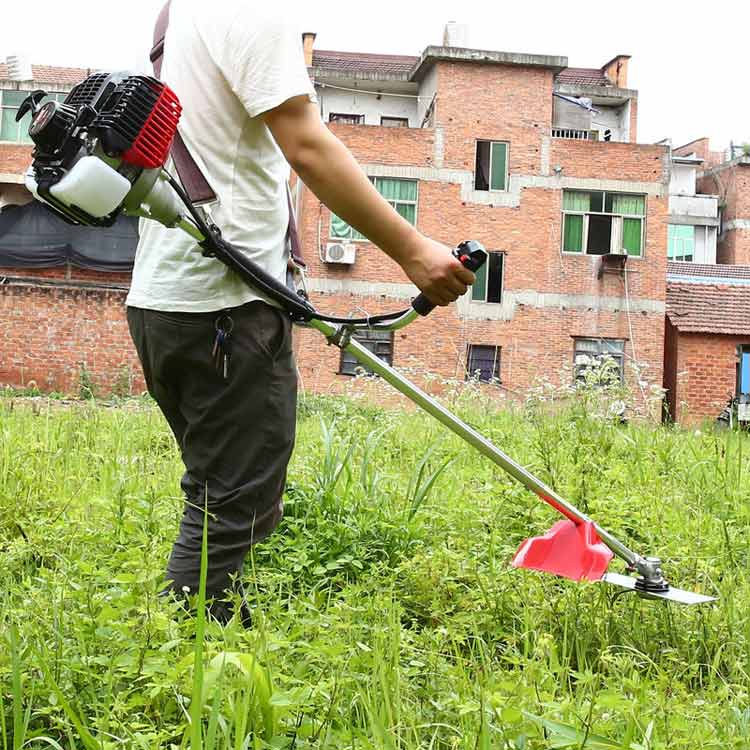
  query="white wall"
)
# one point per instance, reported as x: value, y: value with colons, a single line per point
x: 427, y: 91
x: 705, y: 245
x: 367, y: 104
x: 616, y: 119
x: 682, y: 180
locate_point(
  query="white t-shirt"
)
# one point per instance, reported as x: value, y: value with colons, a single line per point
x: 228, y: 61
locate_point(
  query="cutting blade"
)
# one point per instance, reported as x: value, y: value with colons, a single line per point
x: 671, y: 594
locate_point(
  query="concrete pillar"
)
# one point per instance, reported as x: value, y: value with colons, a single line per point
x: 308, y: 40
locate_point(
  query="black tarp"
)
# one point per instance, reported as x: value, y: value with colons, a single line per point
x: 33, y: 237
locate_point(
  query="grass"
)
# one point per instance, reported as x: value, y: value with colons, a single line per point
x: 386, y: 613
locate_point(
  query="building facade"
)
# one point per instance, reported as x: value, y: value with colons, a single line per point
x: 536, y: 160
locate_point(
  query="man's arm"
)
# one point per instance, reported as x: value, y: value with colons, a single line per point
x: 328, y: 168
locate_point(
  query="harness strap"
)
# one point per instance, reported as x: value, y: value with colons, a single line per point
x: 193, y: 180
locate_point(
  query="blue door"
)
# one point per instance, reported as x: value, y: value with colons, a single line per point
x: 745, y: 370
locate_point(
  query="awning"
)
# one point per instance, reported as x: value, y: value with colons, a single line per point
x: 33, y: 237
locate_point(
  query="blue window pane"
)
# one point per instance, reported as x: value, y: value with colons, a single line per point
x: 745, y: 373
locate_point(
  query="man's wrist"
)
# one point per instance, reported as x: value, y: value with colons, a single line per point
x: 405, y: 246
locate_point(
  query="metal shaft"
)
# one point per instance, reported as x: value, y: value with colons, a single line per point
x: 471, y: 436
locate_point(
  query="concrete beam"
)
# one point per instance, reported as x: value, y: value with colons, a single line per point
x: 696, y: 221
x: 511, y: 198
x: 505, y: 311
x: 596, y: 92
x: 321, y: 75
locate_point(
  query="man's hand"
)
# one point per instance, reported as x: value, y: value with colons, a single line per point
x: 434, y: 270
x: 328, y: 168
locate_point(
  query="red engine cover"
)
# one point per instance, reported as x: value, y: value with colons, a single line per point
x: 150, y: 149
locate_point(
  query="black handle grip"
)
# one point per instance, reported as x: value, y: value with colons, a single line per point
x: 472, y: 256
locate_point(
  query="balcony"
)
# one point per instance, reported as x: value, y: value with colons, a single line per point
x: 704, y: 207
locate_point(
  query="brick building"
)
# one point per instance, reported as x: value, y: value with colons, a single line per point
x: 537, y: 160
x: 707, y: 349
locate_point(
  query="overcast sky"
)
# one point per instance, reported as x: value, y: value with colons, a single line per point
x: 690, y: 60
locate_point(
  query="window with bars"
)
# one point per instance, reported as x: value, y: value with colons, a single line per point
x: 599, y: 361
x: 380, y: 343
x: 10, y: 130
x: 681, y: 242
x: 491, y: 171
x: 598, y: 223
x: 488, y: 286
x: 483, y: 363
x: 346, y: 118
x: 575, y: 135
x: 394, y: 122
x: 401, y: 194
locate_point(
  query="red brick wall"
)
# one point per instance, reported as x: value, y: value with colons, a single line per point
x: 14, y: 159
x: 51, y: 335
x: 706, y: 374
x: 732, y: 185
x: 494, y: 102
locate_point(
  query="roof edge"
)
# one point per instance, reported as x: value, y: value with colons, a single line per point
x: 434, y: 54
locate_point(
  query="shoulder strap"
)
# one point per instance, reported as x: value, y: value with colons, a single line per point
x: 191, y: 177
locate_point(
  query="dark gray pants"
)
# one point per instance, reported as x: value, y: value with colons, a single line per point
x: 236, y: 435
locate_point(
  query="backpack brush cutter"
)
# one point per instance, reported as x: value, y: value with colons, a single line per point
x: 102, y: 152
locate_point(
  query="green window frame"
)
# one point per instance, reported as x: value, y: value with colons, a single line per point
x: 598, y: 222
x: 10, y: 130
x: 681, y: 242
x: 402, y: 194
x: 488, y: 286
x: 491, y: 169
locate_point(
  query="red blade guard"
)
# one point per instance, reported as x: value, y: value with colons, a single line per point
x: 568, y: 549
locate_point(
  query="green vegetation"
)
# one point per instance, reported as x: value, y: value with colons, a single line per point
x: 386, y: 613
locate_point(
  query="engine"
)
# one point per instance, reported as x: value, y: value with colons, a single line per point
x: 101, y: 151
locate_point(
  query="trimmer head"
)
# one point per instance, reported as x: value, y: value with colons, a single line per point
x: 575, y: 551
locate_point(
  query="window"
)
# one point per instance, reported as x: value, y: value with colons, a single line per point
x: 10, y: 130
x: 743, y: 369
x: 597, y: 223
x: 491, y: 171
x: 600, y: 360
x: 488, y: 286
x: 380, y: 343
x: 681, y: 242
x: 394, y: 122
x: 401, y: 194
x: 346, y: 119
x: 483, y: 363
x: 575, y: 135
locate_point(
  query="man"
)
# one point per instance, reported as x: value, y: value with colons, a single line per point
x: 249, y: 112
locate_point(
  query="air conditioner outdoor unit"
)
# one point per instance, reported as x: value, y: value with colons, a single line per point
x: 341, y: 252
